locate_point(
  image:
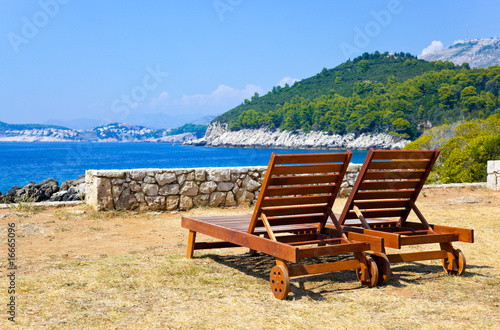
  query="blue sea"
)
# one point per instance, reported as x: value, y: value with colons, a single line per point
x: 21, y: 163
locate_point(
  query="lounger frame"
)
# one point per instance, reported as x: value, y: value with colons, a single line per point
x: 383, y: 196
x: 289, y: 221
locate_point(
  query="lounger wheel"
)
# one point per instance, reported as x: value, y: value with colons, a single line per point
x: 384, y: 267
x: 461, y: 263
x: 280, y: 282
x: 372, y: 272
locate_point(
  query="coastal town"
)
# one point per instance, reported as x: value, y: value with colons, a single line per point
x: 115, y: 132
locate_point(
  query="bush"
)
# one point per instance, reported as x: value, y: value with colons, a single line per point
x: 463, y: 156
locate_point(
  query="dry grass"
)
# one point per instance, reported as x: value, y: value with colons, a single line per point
x: 125, y: 270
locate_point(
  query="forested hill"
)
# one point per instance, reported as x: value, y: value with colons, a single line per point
x: 394, y: 93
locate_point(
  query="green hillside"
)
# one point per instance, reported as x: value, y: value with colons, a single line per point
x: 375, y: 93
x: 465, y: 147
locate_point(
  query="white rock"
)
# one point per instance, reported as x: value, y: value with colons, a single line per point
x: 165, y: 178
x: 150, y: 189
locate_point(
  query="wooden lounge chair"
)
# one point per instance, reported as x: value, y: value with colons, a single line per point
x: 383, y: 196
x: 289, y: 220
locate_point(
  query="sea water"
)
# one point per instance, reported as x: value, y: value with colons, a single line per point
x: 21, y: 163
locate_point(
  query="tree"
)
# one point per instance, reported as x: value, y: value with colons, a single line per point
x: 402, y: 127
x: 469, y: 98
x: 445, y: 97
x: 363, y: 66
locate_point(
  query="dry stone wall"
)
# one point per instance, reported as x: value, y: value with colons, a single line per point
x: 181, y: 189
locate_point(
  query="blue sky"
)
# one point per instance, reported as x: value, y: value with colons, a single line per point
x: 115, y: 60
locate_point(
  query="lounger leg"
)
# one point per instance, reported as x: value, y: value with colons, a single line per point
x: 455, y: 263
x: 281, y: 262
x: 367, y: 272
x: 452, y: 263
x: 190, y: 248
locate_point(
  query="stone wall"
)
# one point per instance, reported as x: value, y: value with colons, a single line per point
x: 181, y: 189
x: 493, y: 180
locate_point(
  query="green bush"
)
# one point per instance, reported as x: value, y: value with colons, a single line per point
x: 464, y: 155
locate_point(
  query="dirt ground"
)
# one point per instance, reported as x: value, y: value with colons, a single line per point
x: 72, y: 260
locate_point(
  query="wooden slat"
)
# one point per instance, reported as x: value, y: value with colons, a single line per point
x: 416, y: 256
x: 385, y: 194
x: 403, y: 154
x: 377, y: 185
x: 300, y: 190
x: 376, y: 243
x: 384, y: 204
x: 428, y: 239
x: 377, y: 175
x: 390, y: 239
x: 311, y: 158
x: 291, y: 210
x: 303, y: 179
x: 300, y: 228
x: 374, y: 223
x: 303, y: 169
x: 292, y: 220
x: 330, y: 241
x: 464, y: 234
x: 398, y: 164
x: 299, y: 237
x: 296, y: 200
x: 381, y: 213
x: 332, y: 249
x: 323, y: 268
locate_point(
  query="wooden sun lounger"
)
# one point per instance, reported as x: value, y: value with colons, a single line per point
x: 383, y: 196
x: 289, y: 220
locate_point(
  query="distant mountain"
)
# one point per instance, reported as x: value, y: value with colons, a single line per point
x: 479, y: 53
x: 160, y: 120
x: 21, y: 127
x: 154, y: 121
x: 79, y: 123
x: 205, y: 120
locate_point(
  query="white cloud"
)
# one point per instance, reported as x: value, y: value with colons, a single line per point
x: 218, y: 101
x: 433, y: 47
x: 160, y: 100
x: 287, y: 80
x: 222, y: 96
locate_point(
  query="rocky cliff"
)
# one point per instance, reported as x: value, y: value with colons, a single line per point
x: 479, y: 53
x: 218, y: 135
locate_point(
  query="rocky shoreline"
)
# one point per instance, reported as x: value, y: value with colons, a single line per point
x: 218, y: 135
x: 47, y: 190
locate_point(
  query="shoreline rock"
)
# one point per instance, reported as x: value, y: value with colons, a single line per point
x: 47, y: 190
x: 218, y: 135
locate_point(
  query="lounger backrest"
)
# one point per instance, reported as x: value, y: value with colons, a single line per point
x: 300, y: 188
x: 386, y: 183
